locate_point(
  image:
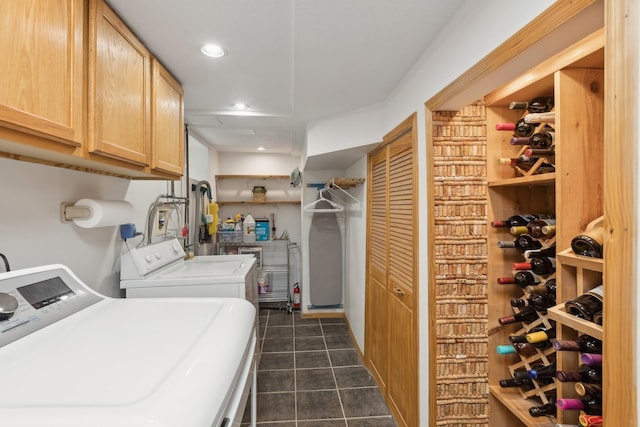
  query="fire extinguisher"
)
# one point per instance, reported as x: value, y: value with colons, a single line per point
x: 296, y: 296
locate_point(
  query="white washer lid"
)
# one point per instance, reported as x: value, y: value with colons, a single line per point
x: 221, y: 265
x: 201, y: 270
x: 129, y: 362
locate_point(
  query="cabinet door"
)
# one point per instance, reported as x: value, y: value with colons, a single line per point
x: 391, y: 308
x: 167, y: 122
x: 119, y: 89
x: 377, y: 319
x: 44, y: 40
x: 403, y: 368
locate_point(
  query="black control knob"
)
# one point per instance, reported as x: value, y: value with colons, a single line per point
x: 8, y: 305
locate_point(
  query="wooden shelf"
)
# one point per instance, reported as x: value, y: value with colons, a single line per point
x: 559, y: 314
x: 541, y: 179
x: 237, y: 190
x: 344, y: 182
x: 567, y: 257
x: 518, y: 406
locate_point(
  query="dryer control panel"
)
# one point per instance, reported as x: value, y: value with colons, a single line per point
x: 136, y: 263
x: 40, y: 296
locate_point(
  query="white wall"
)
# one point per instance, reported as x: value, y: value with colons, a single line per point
x: 198, y: 159
x: 355, y: 256
x: 350, y: 130
x: 31, y: 230
x: 256, y: 164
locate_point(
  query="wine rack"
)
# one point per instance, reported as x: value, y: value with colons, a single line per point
x: 575, y: 78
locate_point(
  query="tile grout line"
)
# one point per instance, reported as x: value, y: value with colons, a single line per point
x: 295, y: 373
x: 296, y: 421
x: 333, y: 373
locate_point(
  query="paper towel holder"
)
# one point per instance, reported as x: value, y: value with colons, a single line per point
x: 69, y: 212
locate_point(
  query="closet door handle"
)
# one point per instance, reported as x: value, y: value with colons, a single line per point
x: 398, y: 292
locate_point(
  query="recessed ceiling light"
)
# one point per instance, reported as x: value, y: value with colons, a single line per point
x: 212, y: 50
x: 261, y: 148
x: 240, y: 107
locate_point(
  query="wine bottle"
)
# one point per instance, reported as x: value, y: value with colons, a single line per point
x: 539, y: 140
x: 540, y: 302
x: 539, y: 104
x: 523, y: 161
x: 547, y: 409
x: 528, y: 314
x: 515, y: 339
x: 519, y: 128
x: 523, y: 242
x: 589, y: 243
x: 549, y: 251
x: 597, y: 318
x: 515, y: 220
x: 524, y: 349
x: 591, y: 405
x: 505, y: 349
x: 585, y: 374
x: 535, y: 228
x: 517, y: 230
x: 584, y: 344
x: 591, y: 420
x: 521, y: 278
x: 527, y: 349
x: 549, y: 231
x: 539, y: 231
x: 525, y: 384
x: 537, y: 371
x: 540, y: 152
x: 543, y: 139
x: 586, y: 389
x: 548, y: 286
x: 537, y: 118
x: 543, y: 266
x: 591, y: 359
x: 586, y: 305
x: 526, y: 163
x: 541, y: 335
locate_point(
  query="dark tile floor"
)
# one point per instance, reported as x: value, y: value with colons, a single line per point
x: 310, y: 375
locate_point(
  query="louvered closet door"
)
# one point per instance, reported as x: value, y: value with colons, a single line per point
x: 403, y: 370
x: 391, y: 345
x: 377, y: 332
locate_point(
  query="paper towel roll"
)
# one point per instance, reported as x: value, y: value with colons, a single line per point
x: 104, y: 213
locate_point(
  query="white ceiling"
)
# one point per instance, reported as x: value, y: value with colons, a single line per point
x: 291, y: 61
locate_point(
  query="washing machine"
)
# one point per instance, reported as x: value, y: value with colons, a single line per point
x: 161, y: 270
x: 74, y: 358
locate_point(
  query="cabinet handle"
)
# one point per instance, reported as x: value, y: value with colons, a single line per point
x: 398, y: 292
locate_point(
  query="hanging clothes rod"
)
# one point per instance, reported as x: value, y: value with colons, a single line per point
x: 334, y: 206
x: 333, y: 185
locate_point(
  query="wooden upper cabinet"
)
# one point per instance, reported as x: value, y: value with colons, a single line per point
x: 119, y: 89
x: 167, y: 122
x: 42, y: 68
